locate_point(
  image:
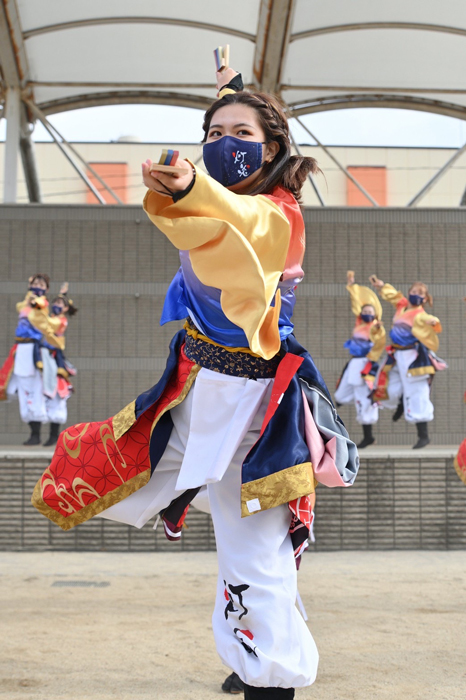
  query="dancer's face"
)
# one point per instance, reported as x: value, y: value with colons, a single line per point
x: 58, y: 307
x: 241, y: 122
x: 39, y: 283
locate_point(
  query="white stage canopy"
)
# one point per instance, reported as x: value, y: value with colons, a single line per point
x: 316, y: 54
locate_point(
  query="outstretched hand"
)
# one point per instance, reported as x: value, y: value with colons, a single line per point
x: 167, y: 183
x: 375, y: 282
x: 350, y: 278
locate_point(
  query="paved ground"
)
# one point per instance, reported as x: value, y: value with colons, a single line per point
x: 389, y: 626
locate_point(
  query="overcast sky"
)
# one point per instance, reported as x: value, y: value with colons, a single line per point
x: 159, y: 123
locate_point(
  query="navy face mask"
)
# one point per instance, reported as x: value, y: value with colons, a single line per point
x: 57, y: 310
x: 415, y: 299
x: 230, y: 160
x: 38, y: 291
x: 367, y: 318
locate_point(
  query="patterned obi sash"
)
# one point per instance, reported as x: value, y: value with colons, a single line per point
x: 237, y: 362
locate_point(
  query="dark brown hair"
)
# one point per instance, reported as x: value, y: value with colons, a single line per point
x: 285, y: 170
x: 425, y: 288
x: 71, y: 310
x: 41, y: 276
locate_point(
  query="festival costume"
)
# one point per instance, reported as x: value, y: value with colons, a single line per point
x: 22, y: 373
x: 58, y: 388
x: 366, y: 344
x: 241, y: 410
x: 411, y: 361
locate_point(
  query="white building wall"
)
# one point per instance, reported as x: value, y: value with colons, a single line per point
x: 408, y: 169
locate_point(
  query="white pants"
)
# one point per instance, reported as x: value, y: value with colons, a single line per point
x: 353, y: 389
x: 258, y: 630
x: 418, y: 408
x: 57, y: 410
x: 26, y: 382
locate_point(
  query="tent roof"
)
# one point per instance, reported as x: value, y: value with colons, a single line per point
x: 317, y: 55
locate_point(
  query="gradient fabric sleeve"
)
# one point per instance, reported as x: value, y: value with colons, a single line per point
x: 40, y: 319
x: 360, y: 296
x: 389, y: 293
x: 425, y: 332
x: 237, y: 244
x: 378, y: 337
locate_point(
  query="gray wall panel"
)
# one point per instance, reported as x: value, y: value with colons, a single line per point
x: 112, y: 254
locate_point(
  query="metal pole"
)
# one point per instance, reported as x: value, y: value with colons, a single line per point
x: 433, y: 180
x: 337, y: 163
x: 12, y: 114
x: 81, y: 174
x: 463, y: 199
x: 43, y: 119
x: 28, y: 157
x: 311, y: 179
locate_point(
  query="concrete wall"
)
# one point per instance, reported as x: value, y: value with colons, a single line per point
x: 397, y: 502
x: 119, y: 266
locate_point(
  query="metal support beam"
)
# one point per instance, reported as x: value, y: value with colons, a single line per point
x: 311, y: 179
x: 463, y: 199
x: 438, y: 175
x: 15, y: 73
x: 13, y: 133
x: 50, y: 128
x: 273, y: 35
x: 337, y: 163
x: 68, y: 157
x: 28, y: 158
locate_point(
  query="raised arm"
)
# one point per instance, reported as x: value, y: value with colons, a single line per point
x: 361, y: 295
x: 386, y: 291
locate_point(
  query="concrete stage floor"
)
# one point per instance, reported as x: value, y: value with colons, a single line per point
x: 136, y: 626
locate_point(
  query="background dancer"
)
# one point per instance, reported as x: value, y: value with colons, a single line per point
x: 241, y: 406
x: 25, y: 381
x: 59, y: 387
x: 411, y: 362
x: 365, y: 346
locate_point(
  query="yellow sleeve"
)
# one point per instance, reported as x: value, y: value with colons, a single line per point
x: 389, y: 293
x: 236, y: 243
x: 424, y: 332
x: 40, y: 319
x: 21, y: 304
x: 360, y: 296
x: 378, y: 337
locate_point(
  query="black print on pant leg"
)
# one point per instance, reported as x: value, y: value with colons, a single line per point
x: 238, y: 591
x: 245, y: 633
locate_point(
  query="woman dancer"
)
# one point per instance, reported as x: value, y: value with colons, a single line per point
x: 26, y: 379
x: 241, y: 406
x: 60, y: 387
x: 411, y: 361
x: 366, y: 344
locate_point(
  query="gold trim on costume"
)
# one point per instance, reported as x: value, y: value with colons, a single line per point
x: 124, y: 419
x: 94, y: 508
x: 276, y: 489
x: 461, y: 473
x: 419, y: 371
x: 121, y: 492
x: 194, y: 333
